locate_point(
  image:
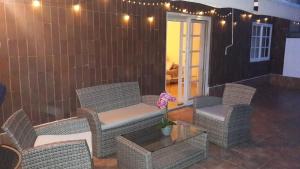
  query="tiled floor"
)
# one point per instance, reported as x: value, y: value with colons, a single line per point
x: 275, y: 140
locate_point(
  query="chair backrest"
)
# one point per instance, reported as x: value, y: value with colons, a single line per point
x: 237, y: 94
x: 19, y: 129
x: 109, y: 96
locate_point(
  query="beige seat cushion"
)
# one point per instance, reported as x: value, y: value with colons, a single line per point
x: 48, y: 139
x: 118, y: 117
x: 217, y: 112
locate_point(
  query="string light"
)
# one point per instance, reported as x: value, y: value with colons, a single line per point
x: 244, y: 15
x: 167, y: 5
x: 296, y: 23
x: 200, y: 13
x: 150, y: 19
x: 36, y: 3
x: 223, y: 22
x: 76, y: 7
x: 213, y: 11
x: 126, y: 17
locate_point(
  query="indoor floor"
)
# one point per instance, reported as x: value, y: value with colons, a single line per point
x: 275, y: 140
x: 173, y: 90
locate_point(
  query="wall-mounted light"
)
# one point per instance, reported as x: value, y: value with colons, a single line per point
x: 266, y: 19
x: 36, y: 3
x: 150, y: 19
x: 234, y: 23
x: 258, y: 20
x: 126, y: 17
x: 222, y: 22
x: 250, y: 16
x: 167, y: 5
x: 76, y: 7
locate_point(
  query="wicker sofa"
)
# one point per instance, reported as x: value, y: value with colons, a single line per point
x: 60, y: 144
x: 226, y: 119
x: 115, y: 109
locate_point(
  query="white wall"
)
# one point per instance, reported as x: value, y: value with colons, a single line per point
x: 291, y: 65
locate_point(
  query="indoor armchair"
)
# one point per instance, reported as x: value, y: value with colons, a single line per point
x: 226, y: 119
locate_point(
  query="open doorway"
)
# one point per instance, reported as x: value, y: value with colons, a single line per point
x: 187, y: 57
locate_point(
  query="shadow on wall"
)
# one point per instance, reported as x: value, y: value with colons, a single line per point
x: 2, y: 93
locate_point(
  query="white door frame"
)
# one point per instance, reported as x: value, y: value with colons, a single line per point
x: 172, y: 16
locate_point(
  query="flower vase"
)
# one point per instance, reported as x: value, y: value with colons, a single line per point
x: 166, y: 131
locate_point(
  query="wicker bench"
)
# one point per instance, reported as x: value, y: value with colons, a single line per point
x: 115, y: 109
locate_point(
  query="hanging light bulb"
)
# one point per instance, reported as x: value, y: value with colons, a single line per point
x: 150, y: 19
x: 266, y: 19
x: 244, y: 15
x: 200, y: 13
x: 223, y: 22
x: 184, y: 11
x: 76, y: 7
x: 167, y: 5
x: 235, y: 23
x: 126, y: 17
x: 258, y: 20
x: 213, y: 11
x: 36, y: 3
x: 250, y: 16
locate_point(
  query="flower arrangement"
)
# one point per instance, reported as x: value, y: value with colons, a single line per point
x: 162, y: 103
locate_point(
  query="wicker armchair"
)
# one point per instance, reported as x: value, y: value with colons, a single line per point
x: 226, y: 119
x: 65, y: 155
x: 98, y: 100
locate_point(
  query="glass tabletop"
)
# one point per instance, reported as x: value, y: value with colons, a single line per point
x: 152, y: 139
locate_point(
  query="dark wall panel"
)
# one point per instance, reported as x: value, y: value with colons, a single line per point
x: 48, y: 52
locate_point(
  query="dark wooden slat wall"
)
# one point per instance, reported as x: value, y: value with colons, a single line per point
x: 49, y: 52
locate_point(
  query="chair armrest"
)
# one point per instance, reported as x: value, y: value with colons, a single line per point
x: 238, y: 115
x: 67, y: 126
x: 71, y: 154
x: 95, y: 127
x: 206, y: 101
x: 150, y: 99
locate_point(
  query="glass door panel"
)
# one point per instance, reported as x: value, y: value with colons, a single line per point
x: 182, y: 62
x: 196, y: 61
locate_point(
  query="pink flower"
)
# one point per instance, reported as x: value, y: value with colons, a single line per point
x: 163, y: 100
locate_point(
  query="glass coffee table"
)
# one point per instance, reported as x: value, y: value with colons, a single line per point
x: 149, y: 149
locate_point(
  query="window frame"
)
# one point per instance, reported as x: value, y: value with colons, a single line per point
x: 261, y: 36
